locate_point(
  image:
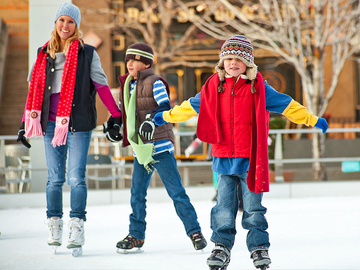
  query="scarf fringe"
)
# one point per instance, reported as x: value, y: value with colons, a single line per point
x: 32, y: 124
x: 150, y: 166
x: 61, y: 131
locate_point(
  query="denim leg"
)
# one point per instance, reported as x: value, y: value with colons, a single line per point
x: 140, y: 183
x: 253, y: 219
x: 169, y: 174
x: 78, y: 147
x: 223, y: 214
x: 56, y: 162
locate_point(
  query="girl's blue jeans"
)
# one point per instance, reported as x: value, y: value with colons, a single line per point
x: 75, y: 151
x: 166, y: 167
x: 223, y: 214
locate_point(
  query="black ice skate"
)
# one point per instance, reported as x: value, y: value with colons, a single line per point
x: 219, y: 258
x: 129, y: 242
x: 198, y: 240
x: 261, y: 258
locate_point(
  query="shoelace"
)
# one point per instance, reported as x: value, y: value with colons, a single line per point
x: 75, y: 230
x: 55, y: 229
x: 219, y: 251
x: 260, y: 253
x: 130, y: 239
x: 196, y: 236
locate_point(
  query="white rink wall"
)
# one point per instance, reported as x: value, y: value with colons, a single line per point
x: 203, y: 193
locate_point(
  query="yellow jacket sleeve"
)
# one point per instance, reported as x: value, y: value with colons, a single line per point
x: 180, y: 113
x: 298, y: 114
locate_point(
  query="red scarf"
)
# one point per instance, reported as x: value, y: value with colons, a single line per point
x: 36, y: 95
x: 258, y: 176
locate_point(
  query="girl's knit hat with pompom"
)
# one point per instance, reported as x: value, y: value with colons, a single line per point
x: 241, y: 48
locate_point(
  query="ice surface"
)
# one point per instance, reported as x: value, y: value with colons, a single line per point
x: 305, y: 233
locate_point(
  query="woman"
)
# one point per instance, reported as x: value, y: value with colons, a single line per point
x: 61, y: 107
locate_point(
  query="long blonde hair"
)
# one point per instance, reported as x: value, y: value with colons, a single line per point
x: 54, y: 43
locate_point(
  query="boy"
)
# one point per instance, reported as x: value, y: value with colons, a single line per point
x: 141, y: 93
x: 233, y: 117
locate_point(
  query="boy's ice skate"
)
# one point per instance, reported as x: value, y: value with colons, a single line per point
x: 219, y: 258
x: 261, y: 258
x: 76, y: 236
x: 55, y: 225
x: 198, y: 240
x: 124, y: 246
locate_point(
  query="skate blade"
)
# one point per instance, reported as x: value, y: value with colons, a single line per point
x: 76, y: 251
x: 54, y: 249
x: 129, y: 251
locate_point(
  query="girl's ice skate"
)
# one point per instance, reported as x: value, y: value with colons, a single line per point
x: 76, y: 236
x: 55, y: 225
x: 128, y: 243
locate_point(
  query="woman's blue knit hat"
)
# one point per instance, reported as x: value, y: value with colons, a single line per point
x: 69, y: 10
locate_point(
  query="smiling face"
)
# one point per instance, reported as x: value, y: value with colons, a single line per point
x: 134, y: 66
x: 234, y: 67
x: 65, y: 27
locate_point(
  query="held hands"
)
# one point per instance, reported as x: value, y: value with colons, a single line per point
x: 322, y: 124
x: 147, y: 128
x: 21, y: 138
x: 111, y: 128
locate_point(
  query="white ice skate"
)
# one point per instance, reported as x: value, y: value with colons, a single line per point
x: 55, y: 225
x: 76, y: 236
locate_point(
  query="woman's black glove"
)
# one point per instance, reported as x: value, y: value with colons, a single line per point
x: 21, y: 138
x: 111, y: 128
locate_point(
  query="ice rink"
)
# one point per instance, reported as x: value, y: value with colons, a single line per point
x: 313, y: 232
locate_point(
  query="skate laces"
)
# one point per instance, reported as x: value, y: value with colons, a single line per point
x: 219, y: 249
x: 130, y: 239
x: 75, y: 229
x: 260, y: 254
x: 197, y: 236
x: 55, y: 226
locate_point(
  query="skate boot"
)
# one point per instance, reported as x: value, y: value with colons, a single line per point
x: 198, y: 240
x: 128, y: 243
x: 261, y: 258
x: 76, y: 236
x: 55, y: 225
x: 219, y: 258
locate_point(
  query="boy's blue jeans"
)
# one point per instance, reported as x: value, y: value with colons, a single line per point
x: 166, y: 167
x: 223, y: 214
x: 76, y: 148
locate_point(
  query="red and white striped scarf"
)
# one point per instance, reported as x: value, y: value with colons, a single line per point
x: 36, y: 95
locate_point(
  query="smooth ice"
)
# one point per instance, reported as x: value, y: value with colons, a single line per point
x: 305, y: 233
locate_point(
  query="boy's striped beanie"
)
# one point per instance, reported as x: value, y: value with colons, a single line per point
x: 141, y: 52
x: 239, y: 47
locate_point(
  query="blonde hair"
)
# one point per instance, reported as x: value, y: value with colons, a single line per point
x: 54, y: 43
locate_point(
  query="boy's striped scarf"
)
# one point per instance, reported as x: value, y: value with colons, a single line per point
x: 36, y: 95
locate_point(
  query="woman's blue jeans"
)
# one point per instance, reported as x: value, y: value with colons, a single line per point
x: 166, y: 167
x: 76, y: 148
x: 223, y: 214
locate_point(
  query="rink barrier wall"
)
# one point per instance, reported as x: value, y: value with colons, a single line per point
x: 199, y: 193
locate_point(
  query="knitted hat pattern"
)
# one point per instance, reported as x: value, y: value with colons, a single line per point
x: 140, y: 52
x: 69, y: 10
x: 238, y: 47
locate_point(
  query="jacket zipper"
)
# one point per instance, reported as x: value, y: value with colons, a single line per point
x: 232, y: 119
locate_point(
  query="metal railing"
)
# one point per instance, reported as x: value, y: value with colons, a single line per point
x: 278, y: 160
